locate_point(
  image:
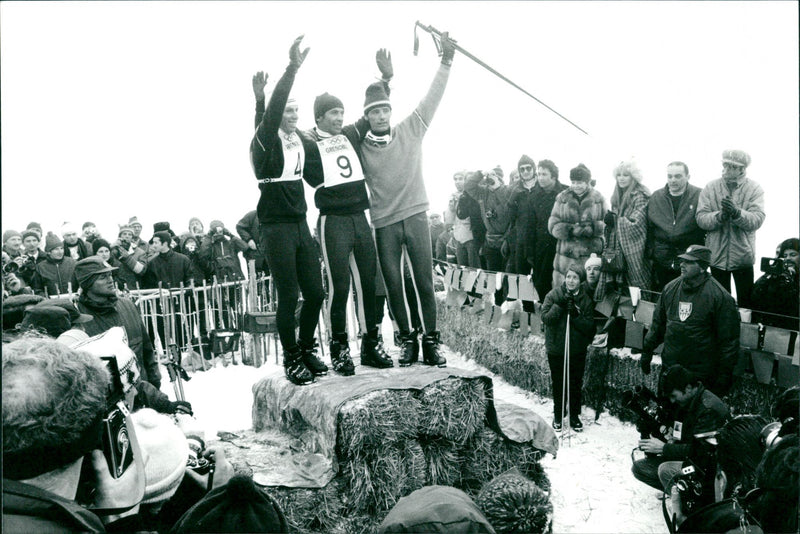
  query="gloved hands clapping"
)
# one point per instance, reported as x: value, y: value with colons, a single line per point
x: 729, y: 208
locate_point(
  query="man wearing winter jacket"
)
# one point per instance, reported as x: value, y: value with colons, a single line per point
x: 731, y: 209
x: 54, y: 275
x: 168, y: 267
x: 698, y: 323
x: 220, y: 250
x: 542, y: 250
x: 132, y: 259
x: 520, y: 215
x: 247, y: 228
x: 99, y: 299
x: 698, y: 411
x: 672, y: 224
x: 492, y: 197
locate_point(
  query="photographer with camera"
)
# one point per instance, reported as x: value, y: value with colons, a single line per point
x: 31, y: 256
x: 50, y: 431
x: 778, y: 290
x: 220, y: 250
x: 698, y: 411
x: 492, y: 195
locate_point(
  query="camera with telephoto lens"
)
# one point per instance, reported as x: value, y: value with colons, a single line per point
x: 196, y: 461
x: 695, y: 482
x: 651, y: 418
x: 116, y: 442
x: 10, y: 267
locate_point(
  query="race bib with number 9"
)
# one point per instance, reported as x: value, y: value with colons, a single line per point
x: 340, y: 163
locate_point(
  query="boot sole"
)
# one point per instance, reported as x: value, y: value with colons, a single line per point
x: 436, y: 364
x: 406, y: 364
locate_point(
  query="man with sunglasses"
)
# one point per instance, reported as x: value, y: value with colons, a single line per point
x: 731, y: 209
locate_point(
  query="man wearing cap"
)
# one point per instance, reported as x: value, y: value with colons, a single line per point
x: 698, y: 323
x: 54, y: 317
x: 392, y: 159
x: 54, y: 275
x: 99, y: 299
x: 137, y: 241
x: 278, y: 155
x: 731, y: 209
x: 672, y: 224
x: 49, y: 431
x: 132, y: 259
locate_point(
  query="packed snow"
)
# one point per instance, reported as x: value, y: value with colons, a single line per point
x: 593, y: 489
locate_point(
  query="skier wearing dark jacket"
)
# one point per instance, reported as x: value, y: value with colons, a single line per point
x: 277, y: 153
x: 569, y: 301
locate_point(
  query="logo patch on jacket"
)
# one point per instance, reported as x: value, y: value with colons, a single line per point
x: 684, y: 310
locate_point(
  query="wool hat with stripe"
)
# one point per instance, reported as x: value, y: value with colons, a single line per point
x: 238, y: 506
x: 324, y: 103
x: 31, y: 233
x: 376, y: 97
x: 164, y: 451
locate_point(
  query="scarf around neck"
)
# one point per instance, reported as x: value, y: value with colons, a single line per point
x: 378, y: 140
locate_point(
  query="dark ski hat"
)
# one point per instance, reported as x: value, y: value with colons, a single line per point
x: 375, y: 97
x: 324, y: 103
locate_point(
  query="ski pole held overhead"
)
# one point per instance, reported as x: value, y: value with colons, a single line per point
x: 436, y: 34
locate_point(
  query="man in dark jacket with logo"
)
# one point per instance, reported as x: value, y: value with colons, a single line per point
x: 168, y: 267
x: 698, y: 323
x: 672, y: 224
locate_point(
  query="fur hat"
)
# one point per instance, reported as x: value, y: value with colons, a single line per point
x: 215, y: 224
x: 740, y: 158
x: 581, y: 173
x: 375, y: 97
x: 8, y: 234
x: 51, y: 320
x: 526, y: 160
x: 164, y: 451
x: 51, y: 241
x: 238, y: 506
x: 163, y: 236
x: 162, y: 226
x: 31, y: 233
x: 324, y: 103
x: 594, y: 259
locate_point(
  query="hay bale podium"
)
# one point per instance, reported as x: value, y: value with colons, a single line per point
x: 362, y: 442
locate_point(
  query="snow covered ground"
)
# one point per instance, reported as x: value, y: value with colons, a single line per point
x: 593, y: 488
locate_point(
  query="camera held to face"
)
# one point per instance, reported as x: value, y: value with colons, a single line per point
x: 116, y: 442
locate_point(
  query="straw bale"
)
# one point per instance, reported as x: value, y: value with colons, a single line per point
x: 452, y: 408
x: 514, y: 503
x: 310, y: 510
x: 376, y: 419
x: 443, y: 458
x: 416, y: 467
x: 489, y: 454
x: 373, y: 480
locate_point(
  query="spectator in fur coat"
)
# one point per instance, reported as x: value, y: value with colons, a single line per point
x: 576, y: 222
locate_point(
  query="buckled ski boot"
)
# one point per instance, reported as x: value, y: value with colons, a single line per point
x: 296, y: 371
x: 430, y: 350
x: 310, y: 358
x: 340, y: 355
x: 372, y: 353
x: 409, y: 348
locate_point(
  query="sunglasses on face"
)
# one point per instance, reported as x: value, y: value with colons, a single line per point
x: 526, y: 168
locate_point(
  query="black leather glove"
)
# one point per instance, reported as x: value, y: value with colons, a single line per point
x: 647, y: 357
x: 180, y: 407
x: 610, y: 218
x: 572, y: 309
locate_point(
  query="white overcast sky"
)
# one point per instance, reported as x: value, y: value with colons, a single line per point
x: 113, y: 109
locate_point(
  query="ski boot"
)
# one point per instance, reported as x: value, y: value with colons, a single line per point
x: 310, y: 358
x: 372, y: 353
x: 430, y: 350
x: 340, y: 355
x: 296, y: 371
x: 409, y: 348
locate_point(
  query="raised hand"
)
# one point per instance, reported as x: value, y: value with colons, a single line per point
x: 296, y: 57
x: 448, y: 48
x: 259, y: 82
x: 383, y: 58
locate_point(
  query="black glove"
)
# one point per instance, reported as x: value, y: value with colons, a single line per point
x: 448, y: 49
x: 647, y: 357
x: 572, y: 309
x: 609, y: 218
x: 180, y: 407
x: 296, y: 57
x: 730, y: 208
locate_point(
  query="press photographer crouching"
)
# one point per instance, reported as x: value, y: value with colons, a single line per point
x: 777, y: 292
x: 698, y: 411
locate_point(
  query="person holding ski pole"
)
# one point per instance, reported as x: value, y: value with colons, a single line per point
x: 277, y: 154
x: 392, y: 159
x: 568, y: 302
